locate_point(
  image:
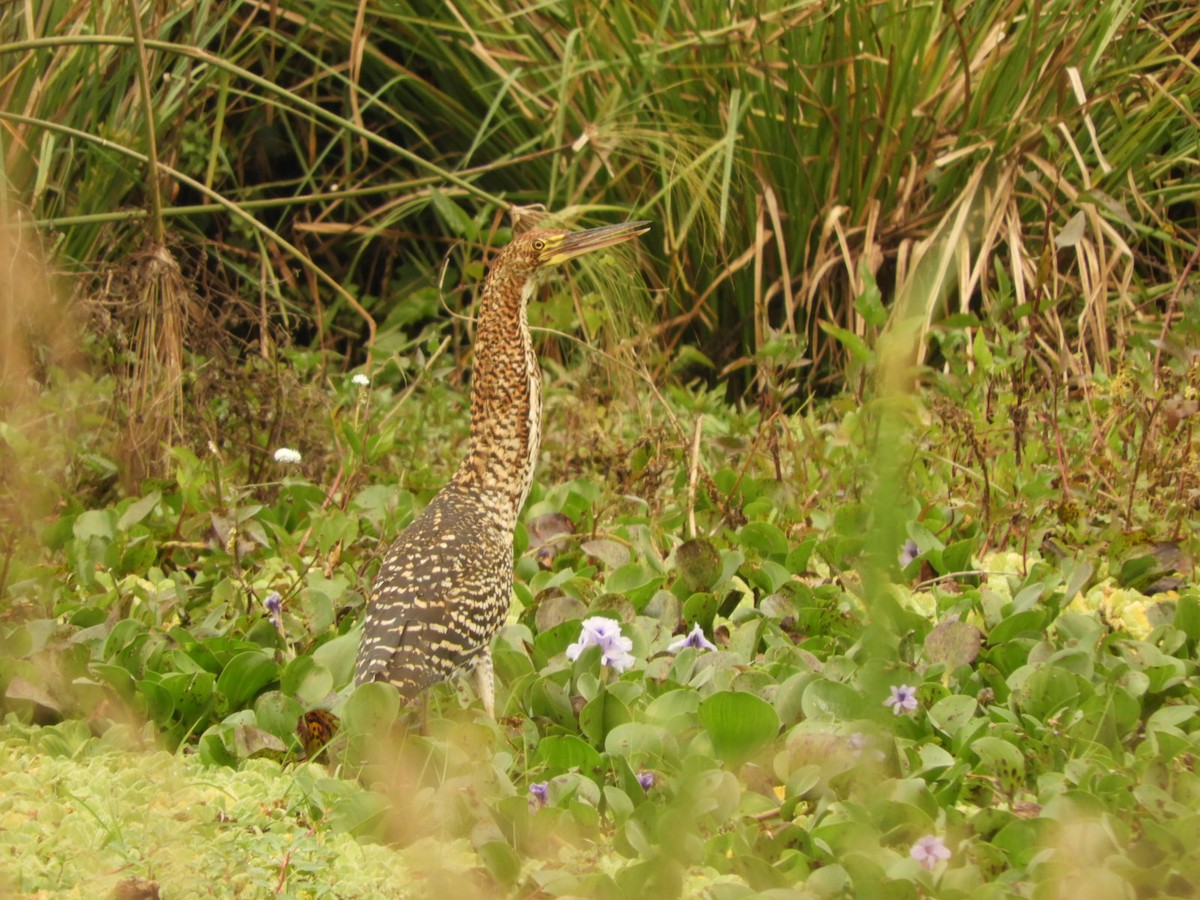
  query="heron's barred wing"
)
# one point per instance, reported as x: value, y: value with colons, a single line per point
x: 440, y: 594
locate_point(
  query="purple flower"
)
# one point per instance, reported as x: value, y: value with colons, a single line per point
x: 605, y: 634
x: 910, y: 552
x: 902, y: 698
x: 695, y: 638
x: 929, y: 851
x: 540, y: 791
x: 646, y: 780
x: 273, y: 604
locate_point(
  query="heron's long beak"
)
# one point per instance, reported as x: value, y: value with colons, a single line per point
x: 577, y: 243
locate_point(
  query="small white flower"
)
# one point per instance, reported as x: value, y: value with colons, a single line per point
x: 287, y: 455
x: 361, y: 380
x: 604, y: 633
x: 695, y: 638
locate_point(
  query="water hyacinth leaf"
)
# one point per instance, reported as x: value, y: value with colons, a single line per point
x: 136, y: 511
x: 638, y: 741
x: 22, y: 690
x: 552, y: 611
x: 1043, y: 691
x: 765, y: 539
x: 305, y: 679
x: 157, y: 702
x: 953, y: 643
x: 561, y: 753
x: 738, y: 724
x: 1187, y: 616
x: 612, y: 553
x: 672, y: 705
x: 95, y: 525
x: 338, y: 655
x: 1029, y: 622
x: 511, y: 664
x: 245, y: 675
x: 217, y: 747
x: 768, y: 576
x: 250, y: 740
x: 371, y: 709
x: 635, y: 581
x: 1081, y: 574
x: 194, y: 696
x: 601, y: 715
x: 554, y: 641
x: 501, y: 861
x: 1140, y: 572
x: 700, y: 609
x: 359, y: 813
x: 933, y: 758
x: 832, y: 701
x: 614, y: 606
x: 798, y: 556
x: 956, y: 557
x: 1169, y: 718
x: 949, y: 714
x: 1000, y: 758
x: 698, y: 564
x: 745, y: 640
x: 550, y: 699
x: 789, y: 697
x: 278, y: 713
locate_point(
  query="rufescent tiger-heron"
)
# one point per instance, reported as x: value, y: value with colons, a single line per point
x: 445, y: 585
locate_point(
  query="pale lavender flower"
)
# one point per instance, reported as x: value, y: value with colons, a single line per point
x: 695, y: 638
x: 273, y: 604
x: 858, y: 743
x: 929, y: 851
x: 604, y: 633
x: 361, y: 380
x: 540, y: 791
x: 902, y: 698
x: 287, y: 455
x: 646, y: 780
x: 910, y: 552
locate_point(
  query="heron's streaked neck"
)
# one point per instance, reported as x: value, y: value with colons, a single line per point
x: 506, y: 400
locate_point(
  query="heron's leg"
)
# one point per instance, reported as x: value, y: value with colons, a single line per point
x: 485, y: 681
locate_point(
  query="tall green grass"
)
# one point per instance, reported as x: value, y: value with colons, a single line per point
x: 324, y: 156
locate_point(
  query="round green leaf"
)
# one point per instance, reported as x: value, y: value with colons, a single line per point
x: 763, y: 537
x: 245, y: 675
x: 739, y: 724
x: 698, y: 564
x: 306, y: 680
x: 636, y: 739
x: 278, y: 714
x: 371, y: 709
x: 950, y: 713
x: 601, y: 715
x: 564, y: 752
x: 831, y: 700
x: 700, y: 609
x: 338, y: 656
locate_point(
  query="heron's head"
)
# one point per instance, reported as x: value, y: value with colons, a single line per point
x: 542, y: 249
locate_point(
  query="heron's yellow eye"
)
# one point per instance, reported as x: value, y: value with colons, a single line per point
x: 539, y: 245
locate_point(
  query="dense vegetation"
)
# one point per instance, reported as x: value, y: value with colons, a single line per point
x: 887, y: 478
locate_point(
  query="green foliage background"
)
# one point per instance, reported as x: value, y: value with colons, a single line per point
x: 969, y: 229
